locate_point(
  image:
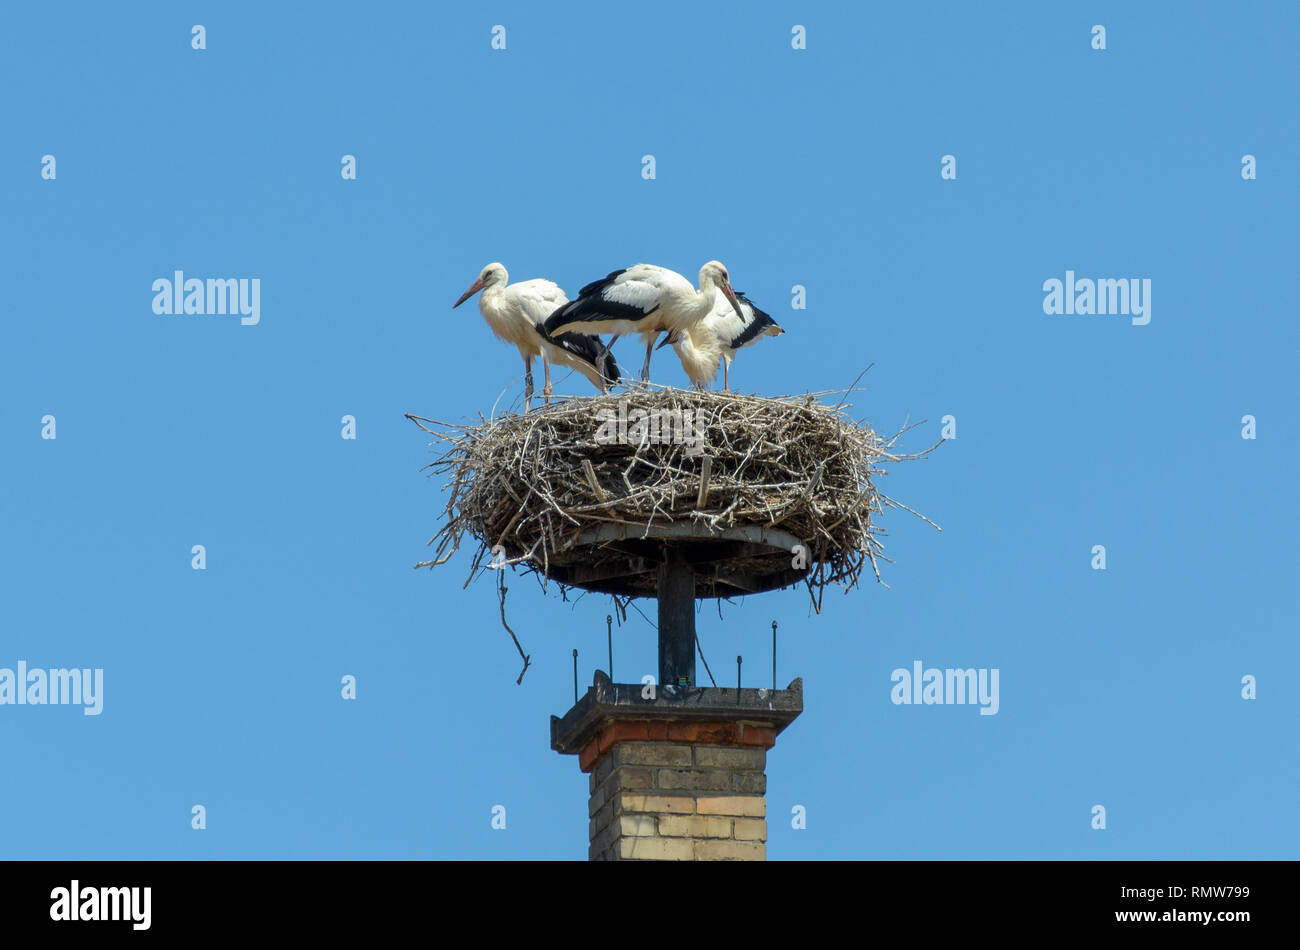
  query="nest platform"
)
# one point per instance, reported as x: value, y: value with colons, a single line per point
x: 620, y: 493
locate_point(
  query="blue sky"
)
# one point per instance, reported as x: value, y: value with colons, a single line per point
x: 817, y: 167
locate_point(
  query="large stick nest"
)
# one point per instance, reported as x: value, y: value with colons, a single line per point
x: 729, y: 480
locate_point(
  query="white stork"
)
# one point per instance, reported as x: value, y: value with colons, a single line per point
x: 644, y: 299
x: 717, y: 337
x: 515, y: 314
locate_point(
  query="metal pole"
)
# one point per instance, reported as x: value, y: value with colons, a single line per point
x: 738, y: 662
x: 609, y: 632
x: 575, y: 676
x: 676, y: 592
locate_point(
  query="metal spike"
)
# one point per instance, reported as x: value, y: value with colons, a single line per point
x: 609, y: 632
x: 774, y: 656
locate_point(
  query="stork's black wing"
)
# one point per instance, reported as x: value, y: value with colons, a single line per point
x: 760, y: 322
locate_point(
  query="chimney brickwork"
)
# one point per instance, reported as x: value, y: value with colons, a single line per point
x: 678, y: 791
x: 680, y: 777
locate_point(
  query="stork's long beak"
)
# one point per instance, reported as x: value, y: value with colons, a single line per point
x: 735, y: 304
x: 473, y: 289
x: 671, y: 337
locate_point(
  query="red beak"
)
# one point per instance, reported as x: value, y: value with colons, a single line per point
x: 473, y: 289
x: 735, y: 304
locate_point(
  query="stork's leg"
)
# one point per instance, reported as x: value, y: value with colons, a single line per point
x: 726, y: 383
x: 645, y: 370
x: 528, y: 383
x: 605, y: 382
x: 546, y: 390
x: 605, y: 348
x: 602, y: 364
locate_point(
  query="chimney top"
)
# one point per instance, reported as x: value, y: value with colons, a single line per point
x: 677, y: 777
x: 606, y: 702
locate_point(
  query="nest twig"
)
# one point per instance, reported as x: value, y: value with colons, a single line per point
x: 526, y: 487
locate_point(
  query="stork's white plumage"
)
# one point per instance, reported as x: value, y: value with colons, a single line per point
x: 646, y: 300
x: 716, y: 338
x: 515, y: 313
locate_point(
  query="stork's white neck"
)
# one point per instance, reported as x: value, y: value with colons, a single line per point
x: 694, y: 305
x: 506, y: 322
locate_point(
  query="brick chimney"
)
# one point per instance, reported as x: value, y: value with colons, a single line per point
x: 679, y: 776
